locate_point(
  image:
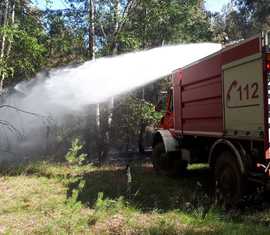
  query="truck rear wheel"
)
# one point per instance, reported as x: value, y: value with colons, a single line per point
x: 229, y: 181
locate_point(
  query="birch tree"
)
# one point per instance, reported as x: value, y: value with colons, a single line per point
x: 91, y: 30
x: 4, y: 50
x: 20, y: 50
x: 111, y: 23
x: 7, y: 39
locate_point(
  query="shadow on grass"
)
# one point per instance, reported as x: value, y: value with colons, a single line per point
x: 147, y: 191
x: 188, y: 194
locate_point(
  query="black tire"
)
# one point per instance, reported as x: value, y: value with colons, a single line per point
x: 159, y: 158
x: 177, y: 166
x: 229, y: 181
x: 169, y: 163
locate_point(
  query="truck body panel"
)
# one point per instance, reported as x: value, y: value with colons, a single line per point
x: 205, y: 90
x: 243, y: 98
x: 200, y: 93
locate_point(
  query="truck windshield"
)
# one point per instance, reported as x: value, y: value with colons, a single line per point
x: 171, y: 101
x: 163, y: 104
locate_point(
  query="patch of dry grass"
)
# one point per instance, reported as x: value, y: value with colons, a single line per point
x: 31, y: 204
x: 37, y: 199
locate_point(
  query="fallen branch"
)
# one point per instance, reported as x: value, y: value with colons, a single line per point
x: 47, y: 120
x: 22, y: 111
x: 9, y: 152
x: 11, y: 127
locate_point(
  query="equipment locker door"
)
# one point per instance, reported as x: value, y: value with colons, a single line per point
x: 243, y: 97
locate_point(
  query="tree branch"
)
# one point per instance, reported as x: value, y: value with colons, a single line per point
x: 22, y: 111
x: 129, y: 7
x: 11, y: 128
x: 102, y: 30
x: 47, y: 120
x: 6, y: 151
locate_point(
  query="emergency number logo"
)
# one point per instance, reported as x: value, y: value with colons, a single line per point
x: 240, y: 95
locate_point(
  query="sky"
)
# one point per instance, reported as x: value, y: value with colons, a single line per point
x: 215, y: 5
x: 211, y: 5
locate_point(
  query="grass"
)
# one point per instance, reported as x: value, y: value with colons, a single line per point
x: 43, y: 198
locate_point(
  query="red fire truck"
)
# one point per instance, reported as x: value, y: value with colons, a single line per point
x: 218, y: 112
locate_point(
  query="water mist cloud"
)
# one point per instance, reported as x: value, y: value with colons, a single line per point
x: 95, y: 81
x: 68, y: 90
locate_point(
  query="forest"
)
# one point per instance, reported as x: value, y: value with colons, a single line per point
x: 89, y: 172
x: 34, y: 40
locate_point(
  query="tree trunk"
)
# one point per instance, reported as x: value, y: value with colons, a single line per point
x: 91, y: 47
x: 3, y: 45
x: 117, y: 18
x: 11, y: 23
x: 106, y: 114
x: 4, y: 24
x: 91, y: 55
x: 141, y: 130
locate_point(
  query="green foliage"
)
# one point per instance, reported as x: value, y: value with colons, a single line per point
x: 5, y: 69
x: 58, y: 37
x: 23, y: 51
x: 130, y: 116
x: 73, y: 202
x: 230, y: 25
x: 139, y: 109
x: 64, y: 40
x: 128, y: 41
x: 27, y: 57
x: 108, y: 205
x: 149, y: 23
x: 75, y: 158
x: 256, y: 14
x: 241, y: 19
x: 158, y: 22
x: 74, y: 155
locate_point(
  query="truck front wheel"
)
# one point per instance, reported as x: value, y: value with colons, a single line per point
x: 159, y: 158
x: 169, y: 163
x: 229, y: 181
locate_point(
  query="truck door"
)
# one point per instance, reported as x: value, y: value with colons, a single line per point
x: 167, y: 120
